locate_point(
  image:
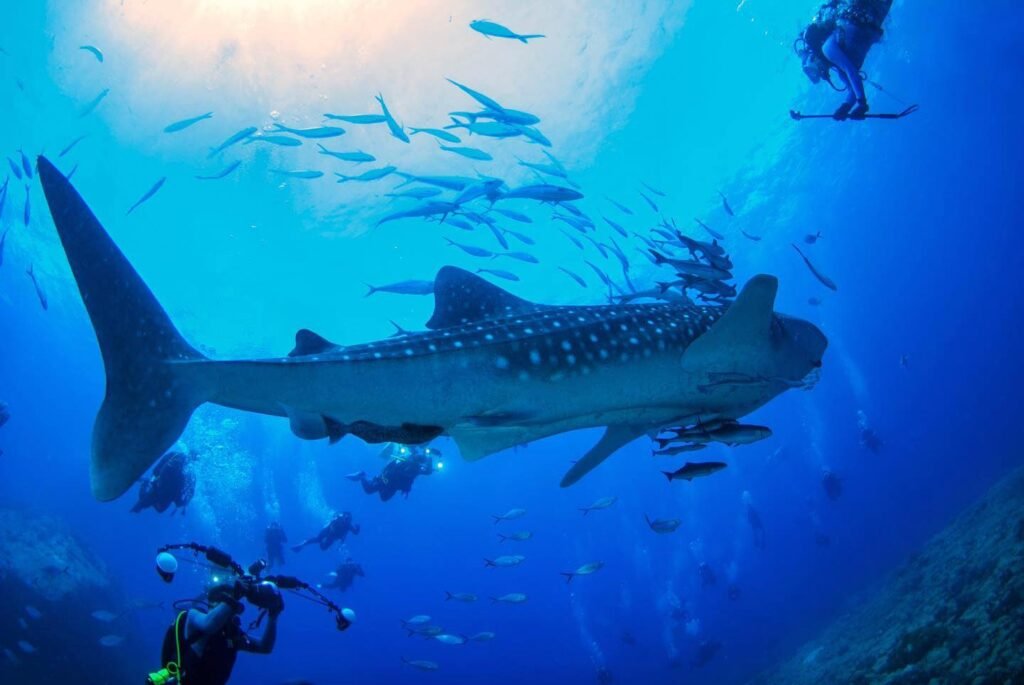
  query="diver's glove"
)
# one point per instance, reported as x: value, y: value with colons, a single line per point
x: 843, y: 112
x: 859, y: 109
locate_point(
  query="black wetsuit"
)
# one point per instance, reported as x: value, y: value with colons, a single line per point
x: 335, y: 531
x: 344, y: 575
x: 170, y: 483
x: 398, y: 476
x: 213, y: 663
x: 275, y: 539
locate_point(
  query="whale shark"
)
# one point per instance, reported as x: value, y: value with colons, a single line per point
x: 491, y: 370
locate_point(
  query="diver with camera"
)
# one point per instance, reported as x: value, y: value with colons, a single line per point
x: 201, y: 646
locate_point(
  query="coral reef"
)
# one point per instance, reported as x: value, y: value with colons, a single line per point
x: 953, y: 613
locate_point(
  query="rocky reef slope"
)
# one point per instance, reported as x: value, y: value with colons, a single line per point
x: 954, y: 613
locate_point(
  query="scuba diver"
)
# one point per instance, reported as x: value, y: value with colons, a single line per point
x: 202, y: 644
x: 5, y: 413
x: 344, y: 575
x: 754, y: 519
x: 868, y: 437
x: 171, y: 482
x: 275, y: 539
x: 840, y: 36
x: 335, y: 531
x: 832, y: 484
x: 404, y: 465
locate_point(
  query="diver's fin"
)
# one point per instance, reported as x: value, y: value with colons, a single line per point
x: 797, y: 116
x: 614, y: 437
x: 147, y: 402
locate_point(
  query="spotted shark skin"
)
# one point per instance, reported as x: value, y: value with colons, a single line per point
x: 492, y: 371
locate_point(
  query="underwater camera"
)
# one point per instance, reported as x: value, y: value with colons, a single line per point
x: 263, y: 592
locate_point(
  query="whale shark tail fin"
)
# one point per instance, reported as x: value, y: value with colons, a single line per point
x: 148, y: 399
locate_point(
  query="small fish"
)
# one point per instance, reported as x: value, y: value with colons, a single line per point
x: 505, y: 561
x: 691, y: 470
x: 280, y: 141
x: 680, y: 449
x: 488, y: 129
x: 316, y: 132
x: 358, y: 118
x: 396, y: 130
x: 11, y: 656
x: 148, y: 194
x: 520, y: 256
x: 94, y: 103
x: 26, y: 214
x: 714, y: 234
x: 498, y: 273
x: 25, y: 164
x: 755, y: 238
x: 521, y: 237
x: 618, y: 227
x: 426, y: 631
x: 72, y: 144
x: 500, y: 237
x: 510, y: 598
x: 584, y: 570
x: 448, y: 182
x: 534, y: 134
x: 371, y: 175
x: 485, y: 100
x: 460, y: 597
x: 471, y: 250
x: 725, y: 205
x: 515, y: 216
x: 825, y: 280
x: 519, y: 536
x: 417, y: 193
x: 221, y: 174
x: 438, y: 133
x: 812, y: 238
x: 449, y: 639
x: 484, y: 636
x: 459, y: 223
x: 33, y: 613
x: 579, y: 280
x: 650, y: 202
x: 653, y: 189
x: 233, y: 139
x: 26, y: 647
x: 468, y: 152
x: 814, y: 301
x: 103, y: 615
x: 111, y: 640
x: 357, y: 156
x: 662, y: 526
x: 3, y: 239
x: 421, y: 664
x: 306, y: 174
x: 43, y: 302
x: 603, y: 503
x: 429, y: 209
x: 492, y: 29
x: 15, y: 168
x: 575, y: 241
x: 403, y: 288
x: 621, y: 207
x: 419, y: 620
x: 94, y: 51
x: 509, y: 515
x: 185, y: 123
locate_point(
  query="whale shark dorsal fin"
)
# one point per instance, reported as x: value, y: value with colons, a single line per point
x: 750, y: 316
x: 308, y: 342
x: 461, y: 297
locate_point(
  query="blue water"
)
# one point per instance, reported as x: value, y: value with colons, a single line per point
x: 920, y: 224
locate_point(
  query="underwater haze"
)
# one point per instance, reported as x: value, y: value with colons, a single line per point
x: 564, y: 161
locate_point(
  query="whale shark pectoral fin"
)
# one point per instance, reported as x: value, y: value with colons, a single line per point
x: 476, y: 442
x: 306, y: 425
x: 614, y: 438
x: 745, y: 325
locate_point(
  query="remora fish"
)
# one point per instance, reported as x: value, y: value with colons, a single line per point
x: 414, y: 388
x: 691, y: 470
x: 602, y: 503
x: 584, y: 570
x: 506, y: 561
x: 825, y: 280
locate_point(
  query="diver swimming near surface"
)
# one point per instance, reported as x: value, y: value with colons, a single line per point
x: 202, y: 644
x: 275, y: 539
x: 839, y: 38
x: 405, y: 464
